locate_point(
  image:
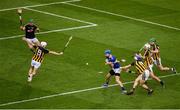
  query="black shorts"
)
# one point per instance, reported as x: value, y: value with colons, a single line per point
x: 113, y: 73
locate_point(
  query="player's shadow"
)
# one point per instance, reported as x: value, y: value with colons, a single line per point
x: 25, y: 91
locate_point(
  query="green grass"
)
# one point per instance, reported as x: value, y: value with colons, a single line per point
x: 59, y: 74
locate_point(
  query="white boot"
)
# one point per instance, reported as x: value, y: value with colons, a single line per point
x: 30, y: 78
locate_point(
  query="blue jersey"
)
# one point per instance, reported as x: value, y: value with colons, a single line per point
x: 114, y: 61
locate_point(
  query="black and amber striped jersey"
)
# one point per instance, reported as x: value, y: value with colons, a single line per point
x: 148, y: 60
x: 140, y: 66
x: 156, y: 56
x: 39, y: 53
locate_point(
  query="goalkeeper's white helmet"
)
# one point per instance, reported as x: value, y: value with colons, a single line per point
x: 43, y: 44
x: 147, y: 46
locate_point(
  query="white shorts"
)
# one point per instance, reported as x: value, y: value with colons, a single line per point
x: 32, y: 40
x: 35, y: 64
x: 157, y: 62
x: 117, y: 70
x: 145, y: 75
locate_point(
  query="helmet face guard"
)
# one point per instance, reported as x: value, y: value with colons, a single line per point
x: 107, y: 53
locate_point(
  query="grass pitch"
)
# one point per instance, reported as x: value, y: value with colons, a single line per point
x: 107, y: 29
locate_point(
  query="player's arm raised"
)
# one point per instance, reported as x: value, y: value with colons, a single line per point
x: 55, y: 53
x: 22, y: 28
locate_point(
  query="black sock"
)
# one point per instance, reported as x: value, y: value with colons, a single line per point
x: 133, y: 89
x: 148, y: 89
x: 122, y: 88
x: 32, y: 50
x: 107, y: 82
x: 162, y: 83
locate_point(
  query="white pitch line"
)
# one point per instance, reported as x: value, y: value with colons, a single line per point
x: 124, y: 16
x: 46, y: 4
x: 73, y: 92
x: 51, y: 31
x: 60, y: 16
